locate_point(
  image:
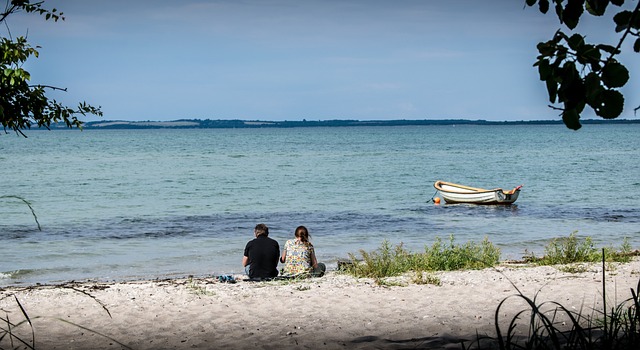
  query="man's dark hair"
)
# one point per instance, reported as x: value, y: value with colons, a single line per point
x: 262, y: 229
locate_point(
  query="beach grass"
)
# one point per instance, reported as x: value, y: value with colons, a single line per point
x: 572, y: 249
x: 551, y: 326
x: 12, y: 331
x: 8, y: 328
x: 389, y: 260
x: 452, y: 256
x: 541, y: 325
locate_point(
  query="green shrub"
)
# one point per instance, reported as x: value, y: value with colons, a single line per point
x: 386, y: 261
x: 569, y: 250
x: 448, y: 257
x: 389, y: 261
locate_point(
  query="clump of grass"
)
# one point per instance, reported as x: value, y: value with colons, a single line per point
x: 452, y: 256
x: 422, y: 277
x: 574, y: 268
x: 388, y: 261
x: 570, y: 250
x: 197, y: 289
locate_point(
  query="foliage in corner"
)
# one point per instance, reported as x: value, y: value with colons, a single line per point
x: 23, y: 104
x: 578, y: 74
x: 550, y: 325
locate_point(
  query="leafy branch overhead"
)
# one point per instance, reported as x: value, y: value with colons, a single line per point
x: 22, y: 104
x: 579, y: 74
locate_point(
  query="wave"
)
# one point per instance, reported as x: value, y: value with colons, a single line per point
x: 320, y: 223
x: 17, y: 274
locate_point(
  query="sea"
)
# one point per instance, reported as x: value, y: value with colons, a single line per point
x: 120, y: 205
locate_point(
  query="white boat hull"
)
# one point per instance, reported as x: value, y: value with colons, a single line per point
x: 454, y: 193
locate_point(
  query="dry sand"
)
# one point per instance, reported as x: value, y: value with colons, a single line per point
x: 333, y: 312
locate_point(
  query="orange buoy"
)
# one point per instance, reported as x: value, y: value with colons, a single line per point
x: 436, y: 200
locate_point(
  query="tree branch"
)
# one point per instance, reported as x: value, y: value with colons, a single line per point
x: 626, y: 32
x: 48, y: 87
x: 8, y: 9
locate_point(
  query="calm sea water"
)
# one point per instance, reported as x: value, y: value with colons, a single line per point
x: 132, y: 204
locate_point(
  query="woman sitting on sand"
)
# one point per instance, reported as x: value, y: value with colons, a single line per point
x: 299, y: 256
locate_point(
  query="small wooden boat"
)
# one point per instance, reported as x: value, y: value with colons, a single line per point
x: 454, y: 193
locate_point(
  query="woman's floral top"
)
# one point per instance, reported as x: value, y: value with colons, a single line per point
x: 298, y: 258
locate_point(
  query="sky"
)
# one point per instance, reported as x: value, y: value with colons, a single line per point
x: 302, y: 59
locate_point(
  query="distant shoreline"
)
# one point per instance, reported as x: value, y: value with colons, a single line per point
x: 237, y: 123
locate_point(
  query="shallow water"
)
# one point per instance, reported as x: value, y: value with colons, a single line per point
x: 128, y: 204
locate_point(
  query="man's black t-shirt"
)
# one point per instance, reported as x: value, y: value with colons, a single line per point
x: 263, y: 253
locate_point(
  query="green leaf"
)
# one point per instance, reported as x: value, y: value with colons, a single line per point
x: 593, y: 89
x: 608, y: 48
x: 531, y: 2
x: 561, y: 54
x: 575, y: 41
x: 543, y: 5
x: 559, y: 36
x: 572, y: 12
x: 636, y: 45
x: 614, y: 75
x: 568, y: 72
x: 617, y: 2
x: 558, y: 8
x: 622, y: 20
x: 572, y: 90
x: 588, y: 54
x: 612, y: 104
x: 552, y: 90
x: 571, y: 119
x: 546, y: 48
x: 544, y: 69
x: 597, y: 7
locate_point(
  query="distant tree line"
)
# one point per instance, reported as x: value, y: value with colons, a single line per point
x: 238, y: 124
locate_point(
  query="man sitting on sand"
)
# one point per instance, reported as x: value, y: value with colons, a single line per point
x: 261, y: 255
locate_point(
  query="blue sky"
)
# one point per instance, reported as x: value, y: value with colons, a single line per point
x: 301, y: 59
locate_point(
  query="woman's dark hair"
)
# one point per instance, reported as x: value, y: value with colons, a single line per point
x: 302, y: 233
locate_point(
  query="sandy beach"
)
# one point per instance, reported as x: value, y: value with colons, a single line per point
x: 333, y: 312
